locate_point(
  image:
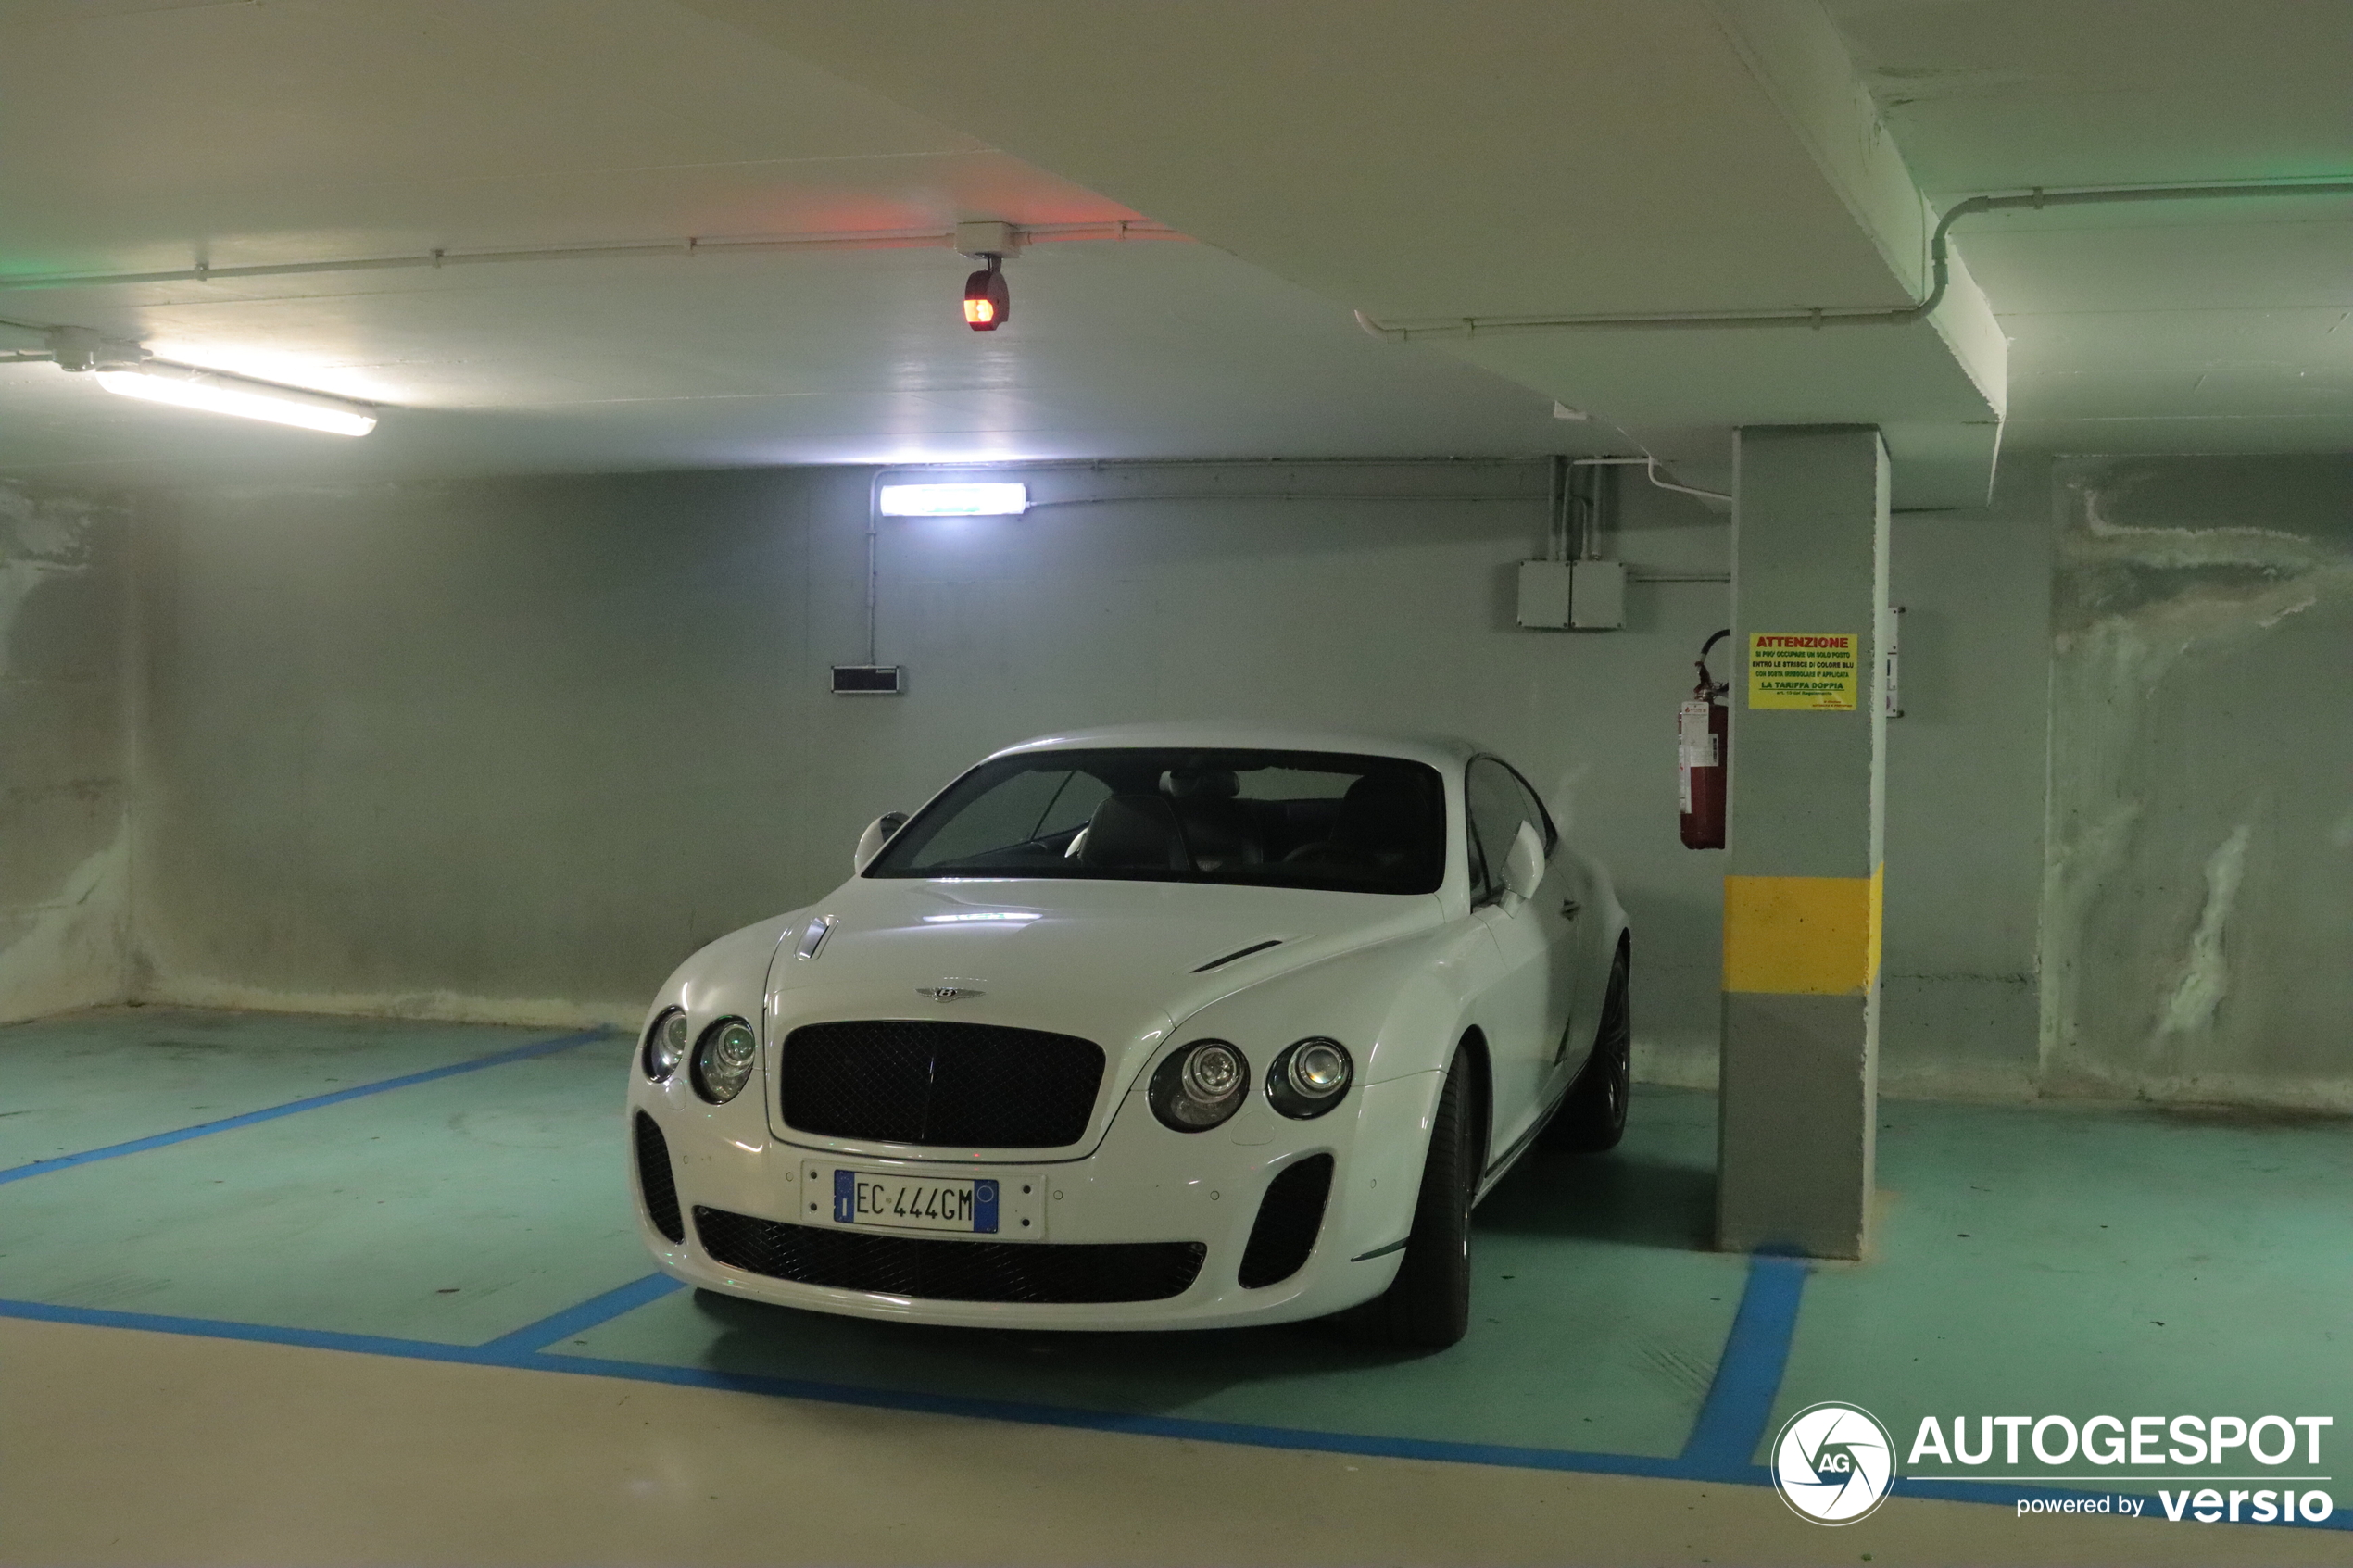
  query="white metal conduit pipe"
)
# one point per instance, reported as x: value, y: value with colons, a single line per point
x: 1105, y: 465
x: 1649, y: 465
x: 1552, y: 499
x: 1939, y: 262
x: 879, y: 239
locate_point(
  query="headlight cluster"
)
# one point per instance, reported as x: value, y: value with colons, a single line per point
x: 1199, y: 1086
x: 722, y: 1058
x: 1309, y: 1077
x: 1202, y: 1085
x: 665, y: 1045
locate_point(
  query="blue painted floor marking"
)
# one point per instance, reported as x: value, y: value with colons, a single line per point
x: 228, y: 1123
x: 587, y: 1316
x: 509, y: 1351
x: 1748, y: 1375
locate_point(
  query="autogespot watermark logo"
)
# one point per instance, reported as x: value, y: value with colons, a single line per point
x: 1833, y: 1463
x: 2277, y: 1457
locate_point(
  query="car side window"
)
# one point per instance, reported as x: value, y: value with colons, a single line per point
x: 1498, y: 803
x: 1533, y: 806
x: 1481, y: 889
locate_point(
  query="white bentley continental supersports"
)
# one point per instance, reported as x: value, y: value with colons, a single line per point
x: 1147, y: 1028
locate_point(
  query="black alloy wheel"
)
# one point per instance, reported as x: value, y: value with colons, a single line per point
x: 1427, y: 1307
x: 1593, y: 1117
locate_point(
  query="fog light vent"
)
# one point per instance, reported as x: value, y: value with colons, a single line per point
x: 1288, y: 1217
x: 655, y: 1184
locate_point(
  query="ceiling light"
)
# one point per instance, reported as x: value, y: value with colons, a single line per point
x: 986, y: 302
x: 216, y: 392
x: 954, y: 500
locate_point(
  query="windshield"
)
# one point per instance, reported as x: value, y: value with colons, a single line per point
x: 1283, y: 818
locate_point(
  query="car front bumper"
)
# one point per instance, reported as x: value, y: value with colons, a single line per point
x: 1143, y: 1184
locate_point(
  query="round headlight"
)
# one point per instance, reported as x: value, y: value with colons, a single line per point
x: 725, y: 1060
x: 665, y: 1045
x: 1309, y: 1077
x: 1199, y: 1085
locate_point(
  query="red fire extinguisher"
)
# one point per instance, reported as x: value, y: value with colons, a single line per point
x: 1704, y: 755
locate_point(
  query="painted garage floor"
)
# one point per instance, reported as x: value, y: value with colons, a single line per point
x: 458, y: 1194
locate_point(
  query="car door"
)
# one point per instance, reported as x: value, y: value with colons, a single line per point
x: 1562, y: 900
x: 1526, y: 1010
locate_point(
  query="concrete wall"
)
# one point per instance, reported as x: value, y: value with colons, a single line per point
x: 2199, y: 905
x: 1965, y: 783
x: 511, y: 750
x: 64, y: 757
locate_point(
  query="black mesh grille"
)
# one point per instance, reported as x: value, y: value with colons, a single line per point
x: 959, y: 1085
x: 951, y: 1271
x: 1288, y: 1217
x: 655, y: 1183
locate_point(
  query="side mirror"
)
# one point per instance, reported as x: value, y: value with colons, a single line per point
x: 871, y: 842
x: 1524, y: 865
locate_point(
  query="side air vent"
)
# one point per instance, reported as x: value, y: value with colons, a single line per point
x: 1240, y: 953
x: 1288, y: 1217
x: 656, y: 1185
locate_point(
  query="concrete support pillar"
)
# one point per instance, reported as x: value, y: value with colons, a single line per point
x: 1799, y: 1105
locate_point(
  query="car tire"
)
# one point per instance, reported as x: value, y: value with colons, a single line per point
x: 1592, y: 1118
x: 1427, y: 1307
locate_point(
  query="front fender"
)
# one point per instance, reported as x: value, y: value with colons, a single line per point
x: 726, y: 977
x: 1398, y: 1006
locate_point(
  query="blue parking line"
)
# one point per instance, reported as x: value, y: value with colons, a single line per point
x: 251, y: 1334
x: 1748, y: 1375
x: 587, y: 1316
x: 228, y: 1124
x: 504, y: 1352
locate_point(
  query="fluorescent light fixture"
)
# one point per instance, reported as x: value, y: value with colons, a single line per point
x: 994, y: 917
x: 217, y: 392
x: 954, y: 500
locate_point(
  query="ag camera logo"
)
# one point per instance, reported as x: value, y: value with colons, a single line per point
x: 1834, y: 1463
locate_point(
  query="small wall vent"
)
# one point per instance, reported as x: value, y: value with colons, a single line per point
x: 870, y: 680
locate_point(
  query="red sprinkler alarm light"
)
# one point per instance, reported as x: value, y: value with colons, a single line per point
x: 986, y: 302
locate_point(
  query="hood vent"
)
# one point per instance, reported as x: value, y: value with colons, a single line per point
x: 1240, y: 953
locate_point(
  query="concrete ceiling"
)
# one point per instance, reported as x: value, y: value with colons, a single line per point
x: 151, y: 136
x: 2192, y: 327
x: 1493, y: 158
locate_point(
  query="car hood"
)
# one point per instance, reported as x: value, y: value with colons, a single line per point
x: 1120, y: 963
x: 1036, y: 945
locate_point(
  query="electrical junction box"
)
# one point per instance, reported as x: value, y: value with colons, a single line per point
x: 1544, y: 594
x: 1560, y: 596
x: 1597, y: 596
x: 987, y: 238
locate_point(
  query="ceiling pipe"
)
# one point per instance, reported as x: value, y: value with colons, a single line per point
x: 1649, y: 465
x: 879, y: 239
x: 1939, y: 259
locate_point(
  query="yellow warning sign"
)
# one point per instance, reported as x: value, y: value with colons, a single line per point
x: 1806, y: 670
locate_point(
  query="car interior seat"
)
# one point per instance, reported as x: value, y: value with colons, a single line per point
x: 1135, y: 832
x: 1380, y: 825
x: 1220, y: 830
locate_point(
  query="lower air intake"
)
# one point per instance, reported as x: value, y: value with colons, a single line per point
x: 1288, y: 1217
x: 951, y: 1271
x: 655, y: 1184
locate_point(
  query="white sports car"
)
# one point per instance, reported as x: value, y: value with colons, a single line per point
x: 1153, y: 1027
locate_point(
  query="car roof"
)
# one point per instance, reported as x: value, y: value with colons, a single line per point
x: 1439, y: 751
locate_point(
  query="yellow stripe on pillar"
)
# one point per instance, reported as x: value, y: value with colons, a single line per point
x: 1802, y: 935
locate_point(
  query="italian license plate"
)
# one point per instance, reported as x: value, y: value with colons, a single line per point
x: 915, y: 1203
x: 1011, y: 1206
